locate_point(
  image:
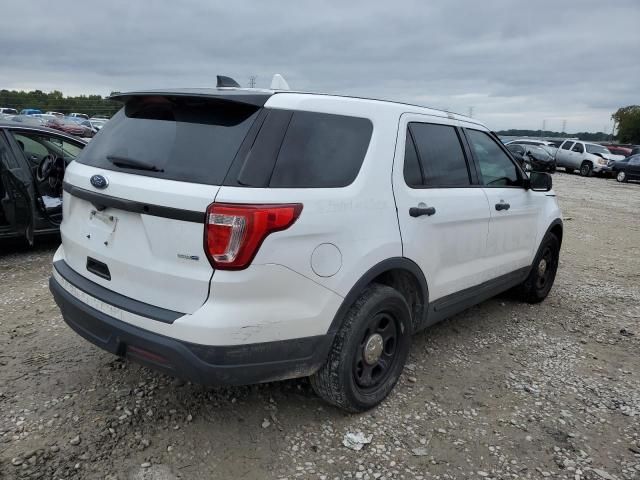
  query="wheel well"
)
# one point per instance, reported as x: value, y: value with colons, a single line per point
x: 557, y: 231
x: 408, y: 285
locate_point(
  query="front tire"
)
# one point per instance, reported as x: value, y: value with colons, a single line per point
x: 621, y: 177
x: 368, y: 352
x: 537, y: 285
x: 586, y: 169
x: 568, y: 170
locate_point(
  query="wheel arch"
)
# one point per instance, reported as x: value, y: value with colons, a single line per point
x: 556, y: 227
x: 400, y: 273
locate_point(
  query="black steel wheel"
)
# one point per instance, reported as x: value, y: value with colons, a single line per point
x: 368, y: 352
x: 538, y: 283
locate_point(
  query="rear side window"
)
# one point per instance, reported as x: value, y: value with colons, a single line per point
x: 440, y: 155
x: 177, y: 138
x: 321, y: 150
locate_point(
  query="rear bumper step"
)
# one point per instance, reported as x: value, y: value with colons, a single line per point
x: 203, y: 364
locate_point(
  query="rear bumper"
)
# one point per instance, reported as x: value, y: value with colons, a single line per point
x: 203, y: 364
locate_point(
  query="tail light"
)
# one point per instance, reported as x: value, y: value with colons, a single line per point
x: 234, y: 232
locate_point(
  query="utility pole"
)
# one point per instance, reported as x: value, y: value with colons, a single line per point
x: 252, y: 81
x: 470, y: 112
x: 544, y: 127
x: 564, y: 126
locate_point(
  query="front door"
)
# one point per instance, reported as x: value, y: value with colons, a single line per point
x: 514, y: 210
x: 443, y: 214
x: 17, y: 195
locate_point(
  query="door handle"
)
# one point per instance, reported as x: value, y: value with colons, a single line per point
x: 502, y: 206
x: 419, y: 211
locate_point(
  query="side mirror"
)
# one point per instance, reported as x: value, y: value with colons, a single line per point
x: 540, y: 182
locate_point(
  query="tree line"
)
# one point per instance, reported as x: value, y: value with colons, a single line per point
x: 56, y: 101
x: 586, y: 136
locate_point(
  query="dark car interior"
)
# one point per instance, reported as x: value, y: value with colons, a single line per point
x: 46, y: 156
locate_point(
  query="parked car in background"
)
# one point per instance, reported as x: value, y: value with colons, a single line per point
x: 547, y: 145
x: 30, y: 111
x: 628, y: 169
x: 8, y: 111
x: 587, y: 158
x: 33, y: 160
x: 29, y: 119
x: 98, y: 123
x: 635, y: 150
x: 618, y: 149
x: 85, y: 123
x: 57, y: 114
x: 533, y: 157
x: 79, y: 115
x: 70, y: 126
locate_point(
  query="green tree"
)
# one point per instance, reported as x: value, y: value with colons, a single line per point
x: 628, y: 121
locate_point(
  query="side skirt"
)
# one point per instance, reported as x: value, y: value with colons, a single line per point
x: 448, y: 306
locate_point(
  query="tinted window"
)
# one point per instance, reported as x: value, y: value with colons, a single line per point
x: 412, y: 172
x: 496, y: 167
x: 516, y: 149
x: 440, y: 154
x: 634, y: 161
x: 567, y: 145
x: 321, y: 150
x: 36, y: 146
x: 578, y: 148
x: 186, y: 139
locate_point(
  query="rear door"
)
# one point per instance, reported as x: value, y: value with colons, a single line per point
x: 443, y: 215
x: 515, y: 211
x: 17, y: 196
x: 135, y: 198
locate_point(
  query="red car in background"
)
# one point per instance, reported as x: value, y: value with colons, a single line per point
x: 618, y: 149
x: 70, y: 127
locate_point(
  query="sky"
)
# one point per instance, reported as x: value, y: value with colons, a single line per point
x: 510, y: 63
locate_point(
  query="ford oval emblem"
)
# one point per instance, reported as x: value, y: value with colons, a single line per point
x: 99, y: 181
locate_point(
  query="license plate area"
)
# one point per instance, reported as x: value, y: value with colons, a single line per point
x: 102, y: 227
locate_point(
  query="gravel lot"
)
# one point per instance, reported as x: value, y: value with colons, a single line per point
x: 503, y: 390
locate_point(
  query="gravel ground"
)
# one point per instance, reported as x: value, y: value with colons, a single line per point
x: 503, y: 390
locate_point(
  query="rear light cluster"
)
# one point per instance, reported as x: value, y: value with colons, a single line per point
x: 234, y: 232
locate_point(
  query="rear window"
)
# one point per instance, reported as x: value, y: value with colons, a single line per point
x: 176, y: 138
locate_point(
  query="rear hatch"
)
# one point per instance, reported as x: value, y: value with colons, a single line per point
x: 135, y: 199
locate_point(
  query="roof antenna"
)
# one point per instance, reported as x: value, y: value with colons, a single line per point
x: 223, y: 81
x: 279, y: 83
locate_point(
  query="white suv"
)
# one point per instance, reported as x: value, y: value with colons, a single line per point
x: 587, y: 158
x: 234, y: 236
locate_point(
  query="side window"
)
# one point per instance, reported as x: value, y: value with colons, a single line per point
x: 440, y: 154
x: 634, y: 161
x: 496, y: 167
x: 412, y: 171
x: 567, y: 145
x: 578, y: 148
x: 321, y: 150
x: 36, y: 146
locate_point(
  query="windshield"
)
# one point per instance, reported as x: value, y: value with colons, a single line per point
x: 597, y: 149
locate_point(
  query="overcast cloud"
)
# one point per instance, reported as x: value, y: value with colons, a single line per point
x: 516, y: 63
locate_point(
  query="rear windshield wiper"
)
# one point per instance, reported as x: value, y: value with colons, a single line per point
x: 125, y: 162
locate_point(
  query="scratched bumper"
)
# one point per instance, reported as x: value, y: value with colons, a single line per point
x: 203, y: 364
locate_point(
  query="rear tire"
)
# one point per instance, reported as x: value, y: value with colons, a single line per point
x: 537, y: 285
x: 586, y: 169
x: 368, y: 352
x: 621, y: 177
